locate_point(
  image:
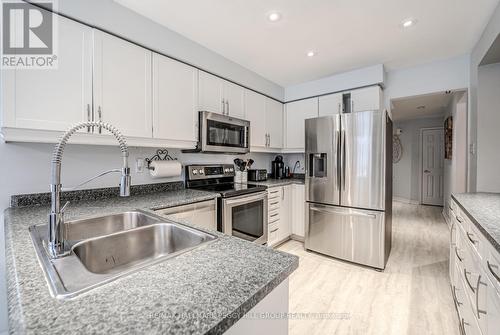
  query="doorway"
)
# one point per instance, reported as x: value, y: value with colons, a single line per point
x: 432, y: 168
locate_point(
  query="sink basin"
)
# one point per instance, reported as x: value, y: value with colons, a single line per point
x: 117, y: 252
x: 108, y: 247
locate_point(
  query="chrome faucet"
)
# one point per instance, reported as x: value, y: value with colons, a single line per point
x: 56, y: 239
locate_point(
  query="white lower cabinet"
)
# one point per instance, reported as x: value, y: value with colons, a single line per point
x: 285, y: 213
x: 474, y: 277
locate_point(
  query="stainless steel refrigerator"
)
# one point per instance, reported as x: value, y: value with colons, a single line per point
x: 349, y: 186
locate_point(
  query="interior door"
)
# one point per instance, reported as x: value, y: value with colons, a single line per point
x: 432, y: 166
x: 346, y: 233
x: 363, y: 160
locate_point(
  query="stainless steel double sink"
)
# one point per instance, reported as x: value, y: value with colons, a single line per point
x: 105, y: 248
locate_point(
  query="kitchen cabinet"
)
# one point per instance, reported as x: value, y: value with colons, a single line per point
x: 220, y: 96
x: 366, y: 99
x: 330, y: 104
x: 52, y: 99
x: 122, y: 85
x: 255, y: 106
x: 175, y: 100
x: 285, y: 223
x: 295, y: 115
x: 298, y: 211
x: 274, y: 123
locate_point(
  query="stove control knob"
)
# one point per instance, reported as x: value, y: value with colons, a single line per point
x: 231, y: 170
x: 195, y: 172
x: 200, y: 171
x: 226, y: 170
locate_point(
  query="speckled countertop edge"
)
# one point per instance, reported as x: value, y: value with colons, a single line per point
x: 278, y: 182
x: 33, y: 310
x: 483, y: 209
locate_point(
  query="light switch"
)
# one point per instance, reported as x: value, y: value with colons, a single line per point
x: 139, y: 165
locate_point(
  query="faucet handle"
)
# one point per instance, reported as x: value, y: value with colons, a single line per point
x: 64, y: 207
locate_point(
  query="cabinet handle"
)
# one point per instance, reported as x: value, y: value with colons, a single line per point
x: 451, y: 233
x: 467, y: 280
x: 352, y: 106
x: 454, y: 291
x: 463, y: 326
x: 459, y: 219
x: 470, y: 238
x: 340, y: 107
x: 479, y: 311
x: 88, y: 117
x: 273, y: 215
x: 272, y: 231
x: 223, y: 107
x: 491, y: 267
x: 456, y: 253
x: 274, y: 203
x: 99, y: 114
x: 227, y: 103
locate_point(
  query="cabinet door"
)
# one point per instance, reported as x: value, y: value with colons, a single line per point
x: 274, y: 123
x: 122, y: 85
x: 256, y: 113
x: 366, y: 99
x: 53, y: 99
x: 210, y: 93
x: 330, y: 104
x: 296, y: 113
x: 285, y: 223
x: 234, y: 97
x: 175, y: 100
x: 299, y: 202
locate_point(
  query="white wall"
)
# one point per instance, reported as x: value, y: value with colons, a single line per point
x: 488, y: 122
x: 371, y: 75
x: 406, y: 173
x: 488, y: 36
x: 455, y: 169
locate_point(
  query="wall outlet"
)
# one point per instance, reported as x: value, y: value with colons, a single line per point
x: 139, y: 165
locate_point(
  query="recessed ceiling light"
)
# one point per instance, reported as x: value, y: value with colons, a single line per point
x: 407, y: 23
x: 274, y: 16
x: 311, y: 53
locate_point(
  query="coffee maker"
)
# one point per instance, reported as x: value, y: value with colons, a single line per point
x: 277, y: 168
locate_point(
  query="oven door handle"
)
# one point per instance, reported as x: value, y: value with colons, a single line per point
x: 245, y: 199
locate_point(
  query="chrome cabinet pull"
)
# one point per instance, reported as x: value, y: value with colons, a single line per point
x: 275, y: 214
x: 88, y: 117
x: 99, y: 114
x: 340, y: 107
x: 227, y: 104
x: 272, y: 231
x: 454, y: 292
x: 479, y: 311
x: 463, y: 326
x: 459, y: 219
x: 456, y: 253
x: 451, y: 233
x: 470, y: 238
x: 491, y: 267
x: 223, y: 107
x: 467, y: 280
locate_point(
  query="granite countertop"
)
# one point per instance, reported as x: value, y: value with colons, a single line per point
x: 278, y: 182
x: 483, y: 209
x: 203, y: 291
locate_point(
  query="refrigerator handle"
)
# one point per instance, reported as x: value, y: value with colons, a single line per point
x: 337, y: 158
x: 352, y: 213
x: 343, y: 159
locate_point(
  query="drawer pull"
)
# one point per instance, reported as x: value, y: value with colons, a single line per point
x: 479, y: 311
x: 467, y: 280
x: 458, y: 256
x: 459, y: 219
x: 274, y: 203
x: 275, y: 214
x: 491, y: 267
x: 473, y: 241
x: 272, y: 231
x: 463, y: 326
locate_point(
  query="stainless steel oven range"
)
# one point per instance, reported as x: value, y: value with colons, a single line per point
x: 241, y: 208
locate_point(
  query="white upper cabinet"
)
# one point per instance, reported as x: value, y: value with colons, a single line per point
x: 210, y: 93
x: 175, y: 100
x: 122, y: 85
x: 330, y: 104
x: 53, y: 99
x: 256, y: 114
x: 274, y: 123
x: 366, y: 99
x: 296, y: 114
x: 220, y: 96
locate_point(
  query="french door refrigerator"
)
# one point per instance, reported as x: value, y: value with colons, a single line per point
x: 349, y: 186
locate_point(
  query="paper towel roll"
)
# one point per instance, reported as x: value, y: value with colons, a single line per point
x: 163, y: 169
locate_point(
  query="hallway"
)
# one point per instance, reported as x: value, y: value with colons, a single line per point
x: 412, y: 295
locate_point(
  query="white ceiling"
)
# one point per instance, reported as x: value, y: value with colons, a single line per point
x: 407, y: 108
x: 346, y: 34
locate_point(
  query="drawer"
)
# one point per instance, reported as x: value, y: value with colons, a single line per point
x: 474, y: 238
x: 468, y: 322
x: 493, y: 309
x: 274, y: 193
x: 274, y: 204
x: 273, y: 217
x: 272, y: 236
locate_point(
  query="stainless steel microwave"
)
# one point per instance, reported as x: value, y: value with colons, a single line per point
x: 223, y: 133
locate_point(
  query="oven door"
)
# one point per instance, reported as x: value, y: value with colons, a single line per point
x: 221, y: 133
x: 246, y: 217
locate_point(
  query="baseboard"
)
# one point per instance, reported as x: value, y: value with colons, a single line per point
x: 297, y: 238
x: 406, y: 201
